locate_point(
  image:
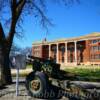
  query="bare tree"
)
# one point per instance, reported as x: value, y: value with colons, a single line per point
x: 15, y: 11
x: 15, y: 48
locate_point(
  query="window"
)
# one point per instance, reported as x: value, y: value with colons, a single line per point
x: 36, y: 53
x: 99, y: 48
x: 95, y: 48
x: 95, y: 57
x: 95, y: 41
x: 98, y: 40
x: 36, y: 47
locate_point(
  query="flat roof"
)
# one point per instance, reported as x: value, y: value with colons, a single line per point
x: 85, y: 37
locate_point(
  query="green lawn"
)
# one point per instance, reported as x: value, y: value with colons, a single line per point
x: 86, y: 74
x: 29, y: 66
x: 23, y: 72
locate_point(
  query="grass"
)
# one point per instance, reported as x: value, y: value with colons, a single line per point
x: 22, y: 72
x: 86, y: 74
x: 29, y: 66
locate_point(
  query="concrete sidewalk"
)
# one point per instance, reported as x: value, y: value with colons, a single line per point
x: 9, y: 92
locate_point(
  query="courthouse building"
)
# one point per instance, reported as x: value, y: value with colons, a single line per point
x: 83, y: 50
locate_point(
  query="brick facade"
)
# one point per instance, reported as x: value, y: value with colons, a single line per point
x: 80, y: 50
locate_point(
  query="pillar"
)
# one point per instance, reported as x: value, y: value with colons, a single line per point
x: 66, y: 54
x: 75, y: 43
x: 57, y: 54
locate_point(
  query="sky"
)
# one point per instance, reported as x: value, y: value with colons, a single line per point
x: 69, y: 21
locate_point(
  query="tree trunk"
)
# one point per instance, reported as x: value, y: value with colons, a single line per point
x: 5, y: 72
x: 2, y: 77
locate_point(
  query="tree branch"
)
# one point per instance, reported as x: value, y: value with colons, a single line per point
x: 19, y: 8
x: 16, y: 12
x: 13, y: 6
x: 44, y: 19
x: 16, y: 9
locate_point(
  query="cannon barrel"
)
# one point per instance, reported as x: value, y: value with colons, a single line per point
x: 40, y: 59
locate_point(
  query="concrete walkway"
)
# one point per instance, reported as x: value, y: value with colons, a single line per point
x: 9, y: 92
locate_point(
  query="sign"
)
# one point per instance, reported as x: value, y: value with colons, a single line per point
x: 17, y: 82
x: 20, y: 61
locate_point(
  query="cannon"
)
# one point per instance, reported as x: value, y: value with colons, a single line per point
x: 47, y: 73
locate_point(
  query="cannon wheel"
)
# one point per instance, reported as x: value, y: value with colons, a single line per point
x: 36, y: 84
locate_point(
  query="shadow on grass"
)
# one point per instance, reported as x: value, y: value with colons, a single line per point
x: 92, y: 75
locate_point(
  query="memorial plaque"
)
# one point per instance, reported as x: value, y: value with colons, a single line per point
x: 20, y: 61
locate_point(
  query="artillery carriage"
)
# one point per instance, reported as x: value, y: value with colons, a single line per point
x: 46, y: 74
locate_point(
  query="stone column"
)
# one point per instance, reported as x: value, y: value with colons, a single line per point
x: 75, y: 44
x: 66, y: 54
x: 57, y: 54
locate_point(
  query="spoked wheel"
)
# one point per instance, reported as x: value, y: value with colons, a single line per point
x: 37, y: 84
